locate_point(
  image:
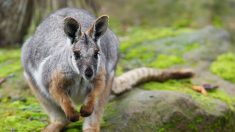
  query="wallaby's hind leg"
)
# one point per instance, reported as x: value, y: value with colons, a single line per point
x: 92, y: 123
x: 57, y: 117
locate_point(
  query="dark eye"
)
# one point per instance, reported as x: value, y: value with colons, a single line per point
x: 77, y: 55
x: 96, y: 55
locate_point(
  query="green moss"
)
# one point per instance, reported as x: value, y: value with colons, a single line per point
x: 136, y: 52
x: 110, y: 113
x: 165, y: 61
x: 181, y: 85
x: 10, y: 67
x: 143, y: 53
x: 191, y: 47
x: 21, y: 115
x: 75, y: 126
x: 208, y: 103
x: 27, y: 115
x: 184, y: 86
x: 9, y: 61
x: 222, y: 95
x: 224, y: 66
x: 138, y: 35
x: 8, y: 54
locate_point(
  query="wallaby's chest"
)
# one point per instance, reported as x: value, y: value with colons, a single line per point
x: 79, y: 90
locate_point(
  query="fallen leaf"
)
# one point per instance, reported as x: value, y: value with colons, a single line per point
x: 200, y: 89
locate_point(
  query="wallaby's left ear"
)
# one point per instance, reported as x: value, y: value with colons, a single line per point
x: 99, y: 27
x: 72, y: 28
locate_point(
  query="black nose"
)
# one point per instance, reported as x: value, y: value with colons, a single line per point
x: 88, y: 72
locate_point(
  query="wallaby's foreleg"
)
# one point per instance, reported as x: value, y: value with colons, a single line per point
x: 92, y: 123
x: 57, y: 116
x: 99, y: 84
x: 59, y: 92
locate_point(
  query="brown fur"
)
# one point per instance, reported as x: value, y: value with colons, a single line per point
x: 54, y: 126
x: 60, y: 94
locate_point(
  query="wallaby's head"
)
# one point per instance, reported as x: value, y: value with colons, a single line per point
x: 85, y: 45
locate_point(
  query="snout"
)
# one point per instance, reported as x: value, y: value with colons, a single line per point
x: 88, y: 73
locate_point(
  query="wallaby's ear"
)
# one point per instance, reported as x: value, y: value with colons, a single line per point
x: 99, y: 27
x: 72, y: 28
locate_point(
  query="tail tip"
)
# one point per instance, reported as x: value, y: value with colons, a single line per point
x: 184, y: 73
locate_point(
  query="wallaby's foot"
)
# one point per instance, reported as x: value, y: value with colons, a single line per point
x: 86, y: 110
x: 91, y: 130
x: 54, y: 127
x: 73, y: 116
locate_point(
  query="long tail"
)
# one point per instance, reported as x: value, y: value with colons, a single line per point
x: 142, y: 75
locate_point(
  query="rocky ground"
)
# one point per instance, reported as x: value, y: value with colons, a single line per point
x: 168, y: 106
x: 173, y: 106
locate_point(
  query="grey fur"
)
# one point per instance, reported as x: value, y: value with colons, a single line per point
x: 50, y: 40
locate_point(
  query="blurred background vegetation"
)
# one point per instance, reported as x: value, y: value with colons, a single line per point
x: 157, y: 33
x: 19, y: 18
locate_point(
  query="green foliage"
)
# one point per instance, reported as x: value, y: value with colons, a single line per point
x: 165, y: 61
x: 224, y: 66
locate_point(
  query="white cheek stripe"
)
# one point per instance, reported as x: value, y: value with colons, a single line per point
x: 68, y: 41
x: 38, y: 76
x: 99, y: 56
x: 74, y: 65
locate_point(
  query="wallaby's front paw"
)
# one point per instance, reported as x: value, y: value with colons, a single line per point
x: 73, y: 117
x: 86, y: 110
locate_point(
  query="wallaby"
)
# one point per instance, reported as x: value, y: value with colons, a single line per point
x: 71, y: 59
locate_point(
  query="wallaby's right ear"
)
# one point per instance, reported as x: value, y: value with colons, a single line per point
x: 99, y: 27
x: 72, y: 28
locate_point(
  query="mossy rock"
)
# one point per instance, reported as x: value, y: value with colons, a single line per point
x: 149, y: 111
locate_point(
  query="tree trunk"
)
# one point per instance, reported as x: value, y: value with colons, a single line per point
x: 15, y: 18
x: 19, y: 17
